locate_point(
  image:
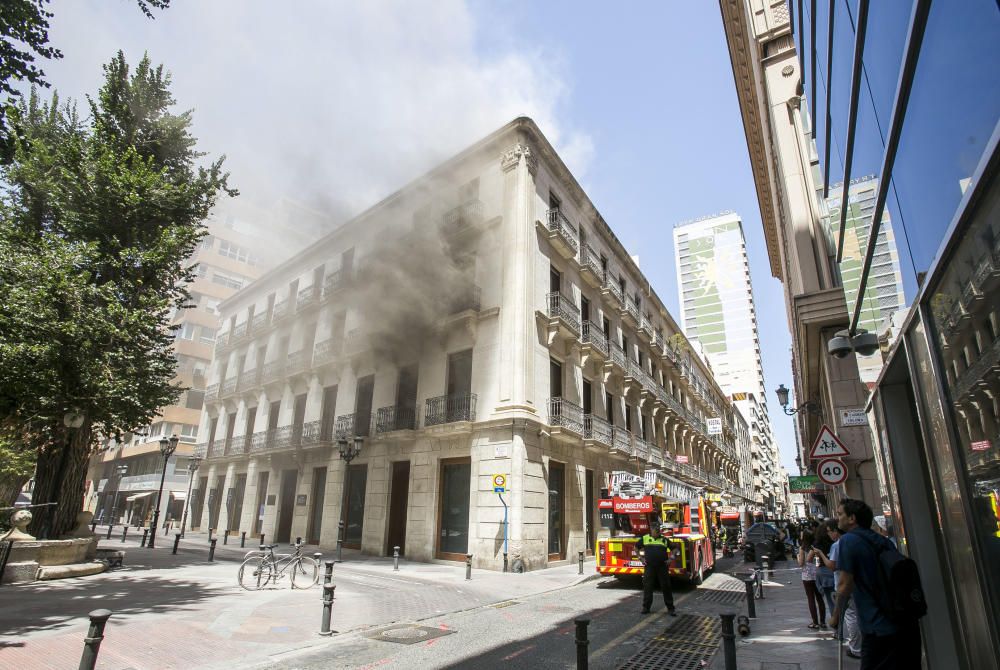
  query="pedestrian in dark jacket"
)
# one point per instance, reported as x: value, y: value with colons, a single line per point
x: 656, y: 558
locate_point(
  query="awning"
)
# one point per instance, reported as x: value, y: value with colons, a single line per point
x: 178, y: 495
x: 138, y: 495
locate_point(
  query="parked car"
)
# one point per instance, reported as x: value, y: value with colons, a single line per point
x: 764, y: 533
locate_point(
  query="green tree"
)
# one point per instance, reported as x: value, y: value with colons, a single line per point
x: 96, y: 224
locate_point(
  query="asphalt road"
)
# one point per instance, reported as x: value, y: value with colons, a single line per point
x: 530, y: 632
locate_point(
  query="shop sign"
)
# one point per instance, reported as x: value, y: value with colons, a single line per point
x: 633, y: 505
x: 981, y: 445
x: 682, y: 459
x: 714, y: 426
x: 806, y: 484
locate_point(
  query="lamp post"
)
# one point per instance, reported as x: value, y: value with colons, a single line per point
x: 193, y: 463
x: 167, y: 448
x: 121, y: 470
x: 808, y: 406
x: 349, y: 449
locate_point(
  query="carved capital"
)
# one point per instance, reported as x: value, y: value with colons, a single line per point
x: 511, y: 157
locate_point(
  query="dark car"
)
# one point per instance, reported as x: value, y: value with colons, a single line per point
x: 764, y: 533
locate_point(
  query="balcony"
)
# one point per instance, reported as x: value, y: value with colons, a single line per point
x: 564, y: 316
x: 617, y: 361
x: 327, y: 351
x: 454, y: 408
x: 595, y: 344
x: 307, y: 297
x: 248, y: 379
x: 655, y: 456
x: 629, y: 313
x: 612, y: 292
x: 261, y: 440
x: 565, y: 417
x: 621, y: 441
x: 228, y: 387
x: 658, y: 342
x: 353, y: 425
x: 467, y: 299
x: 464, y: 217
x: 597, y: 433
x: 260, y: 323
x: 645, y: 329
x: 272, y: 372
x: 984, y: 269
x: 280, y: 311
x: 200, y: 450
x: 235, y: 446
x: 356, y: 342
x: 393, y: 418
x: 313, y: 434
x: 298, y: 362
x: 560, y: 233
x: 591, y: 269
x: 337, y: 281
x: 975, y: 374
x: 239, y: 333
x: 221, y: 343
x: 212, y: 392
x: 640, y: 449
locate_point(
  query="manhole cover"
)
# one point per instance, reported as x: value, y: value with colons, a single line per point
x: 407, y: 634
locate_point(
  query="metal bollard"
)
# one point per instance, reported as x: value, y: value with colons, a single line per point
x: 243, y: 539
x: 395, y: 559
x: 751, y: 598
x: 328, y: 589
x: 760, y: 583
x: 579, y: 558
x: 766, y: 565
x: 93, y: 527
x: 468, y: 566
x: 210, y: 532
x: 582, y: 643
x: 111, y: 527
x: 145, y: 536
x: 211, y: 550
x: 262, y: 538
x: 92, y: 643
x: 505, y: 564
x: 328, y: 575
x: 124, y: 532
x: 729, y: 640
x: 225, y: 537
x: 166, y: 528
x: 340, y: 542
x: 743, y: 625
x: 298, y: 541
x: 177, y: 541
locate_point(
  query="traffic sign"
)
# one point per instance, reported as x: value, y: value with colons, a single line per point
x: 832, y: 471
x: 827, y: 445
x: 499, y: 483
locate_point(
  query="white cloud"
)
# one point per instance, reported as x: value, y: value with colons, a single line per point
x: 335, y: 104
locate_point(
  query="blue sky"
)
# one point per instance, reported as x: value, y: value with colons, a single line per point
x: 637, y: 97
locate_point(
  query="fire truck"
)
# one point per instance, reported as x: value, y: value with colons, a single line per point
x: 632, y: 502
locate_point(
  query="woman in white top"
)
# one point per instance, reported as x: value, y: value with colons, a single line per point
x: 807, y: 559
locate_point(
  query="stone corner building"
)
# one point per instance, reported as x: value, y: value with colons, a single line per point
x: 482, y: 320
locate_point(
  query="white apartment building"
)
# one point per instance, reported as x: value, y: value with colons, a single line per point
x: 484, y: 320
x: 717, y: 309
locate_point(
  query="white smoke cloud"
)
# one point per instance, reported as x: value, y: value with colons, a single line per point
x: 331, y: 104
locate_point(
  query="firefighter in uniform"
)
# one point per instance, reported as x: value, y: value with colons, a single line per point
x: 656, y: 558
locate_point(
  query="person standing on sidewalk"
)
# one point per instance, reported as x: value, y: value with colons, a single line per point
x: 851, y: 632
x: 656, y: 559
x: 813, y: 598
x: 885, y: 644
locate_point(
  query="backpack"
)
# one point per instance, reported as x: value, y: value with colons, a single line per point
x: 899, y: 595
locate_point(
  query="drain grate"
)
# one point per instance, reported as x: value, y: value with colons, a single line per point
x: 407, y: 633
x: 722, y: 596
x: 688, y: 644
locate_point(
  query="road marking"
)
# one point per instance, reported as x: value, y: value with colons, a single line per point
x: 518, y: 652
x: 643, y: 623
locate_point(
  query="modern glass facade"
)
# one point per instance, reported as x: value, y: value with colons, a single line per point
x: 910, y: 92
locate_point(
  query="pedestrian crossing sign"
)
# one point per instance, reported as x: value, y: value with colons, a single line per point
x: 828, y: 445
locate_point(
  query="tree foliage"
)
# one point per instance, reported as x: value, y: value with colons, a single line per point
x: 95, y: 225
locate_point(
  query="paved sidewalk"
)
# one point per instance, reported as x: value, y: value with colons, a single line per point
x: 183, y: 612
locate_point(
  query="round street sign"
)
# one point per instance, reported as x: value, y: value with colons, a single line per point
x: 832, y: 471
x: 499, y: 483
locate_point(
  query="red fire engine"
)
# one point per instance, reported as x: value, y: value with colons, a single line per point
x: 632, y: 503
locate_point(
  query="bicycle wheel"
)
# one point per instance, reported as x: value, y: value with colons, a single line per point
x: 255, y: 572
x: 305, y: 573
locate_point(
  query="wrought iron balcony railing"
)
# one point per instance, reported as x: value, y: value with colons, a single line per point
x: 298, y: 361
x: 612, y: 288
x: 228, y: 387
x: 200, y: 450
x: 559, y: 224
x: 353, y: 425
x: 640, y: 448
x: 261, y: 440
x: 280, y: 311
x: 597, y: 429
x: 467, y: 214
x: 239, y: 332
x: 312, y: 434
x: 212, y: 392
x: 590, y: 261
x: 618, y: 356
x: 337, y: 280
x: 272, y: 371
x: 563, y: 308
x: 392, y: 418
x: 468, y: 298
x: 248, y: 379
x: 260, y: 322
x: 566, y: 414
x: 450, y: 408
x: 594, y: 336
x: 621, y: 441
x: 327, y: 350
x: 307, y: 297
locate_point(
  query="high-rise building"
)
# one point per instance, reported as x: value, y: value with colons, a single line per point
x: 884, y: 296
x: 717, y: 310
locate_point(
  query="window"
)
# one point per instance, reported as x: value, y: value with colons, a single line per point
x: 185, y: 332
x: 212, y: 305
x: 207, y: 335
x: 237, y: 253
x: 555, y: 379
x: 194, y: 399
x: 206, y: 242
x: 229, y: 281
x: 453, y: 534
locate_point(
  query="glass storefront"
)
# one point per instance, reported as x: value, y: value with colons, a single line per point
x: 557, y: 512
x: 354, y: 513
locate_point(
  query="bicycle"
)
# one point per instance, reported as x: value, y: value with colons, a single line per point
x: 260, y: 569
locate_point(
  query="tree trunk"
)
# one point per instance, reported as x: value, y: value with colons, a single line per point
x: 10, y: 487
x: 60, y: 478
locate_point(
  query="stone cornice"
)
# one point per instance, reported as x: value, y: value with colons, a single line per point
x: 511, y: 157
x: 744, y: 59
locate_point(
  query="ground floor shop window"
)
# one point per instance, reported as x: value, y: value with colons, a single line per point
x: 557, y: 500
x: 354, y: 505
x: 454, y: 512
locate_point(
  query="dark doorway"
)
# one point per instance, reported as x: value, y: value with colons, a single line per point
x: 406, y: 399
x: 354, y: 505
x: 237, y: 507
x: 588, y: 511
x: 286, y: 506
x: 318, y: 498
x: 258, y: 522
x: 555, y: 280
x: 215, y: 501
x: 363, y: 405
x: 557, y: 520
x: 588, y: 394
x: 298, y: 418
x: 460, y: 407
x: 329, y: 410
x: 398, y: 497
x: 453, y: 537
x: 555, y: 379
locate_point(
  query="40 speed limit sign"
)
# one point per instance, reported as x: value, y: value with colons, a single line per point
x: 832, y: 471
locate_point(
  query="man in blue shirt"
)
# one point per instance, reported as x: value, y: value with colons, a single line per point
x: 885, y: 644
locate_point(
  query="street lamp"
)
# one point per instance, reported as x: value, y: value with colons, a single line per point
x: 167, y: 448
x: 193, y: 463
x: 121, y: 470
x: 808, y: 406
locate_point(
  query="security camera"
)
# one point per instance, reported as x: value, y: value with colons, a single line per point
x: 865, y: 343
x: 840, y: 345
